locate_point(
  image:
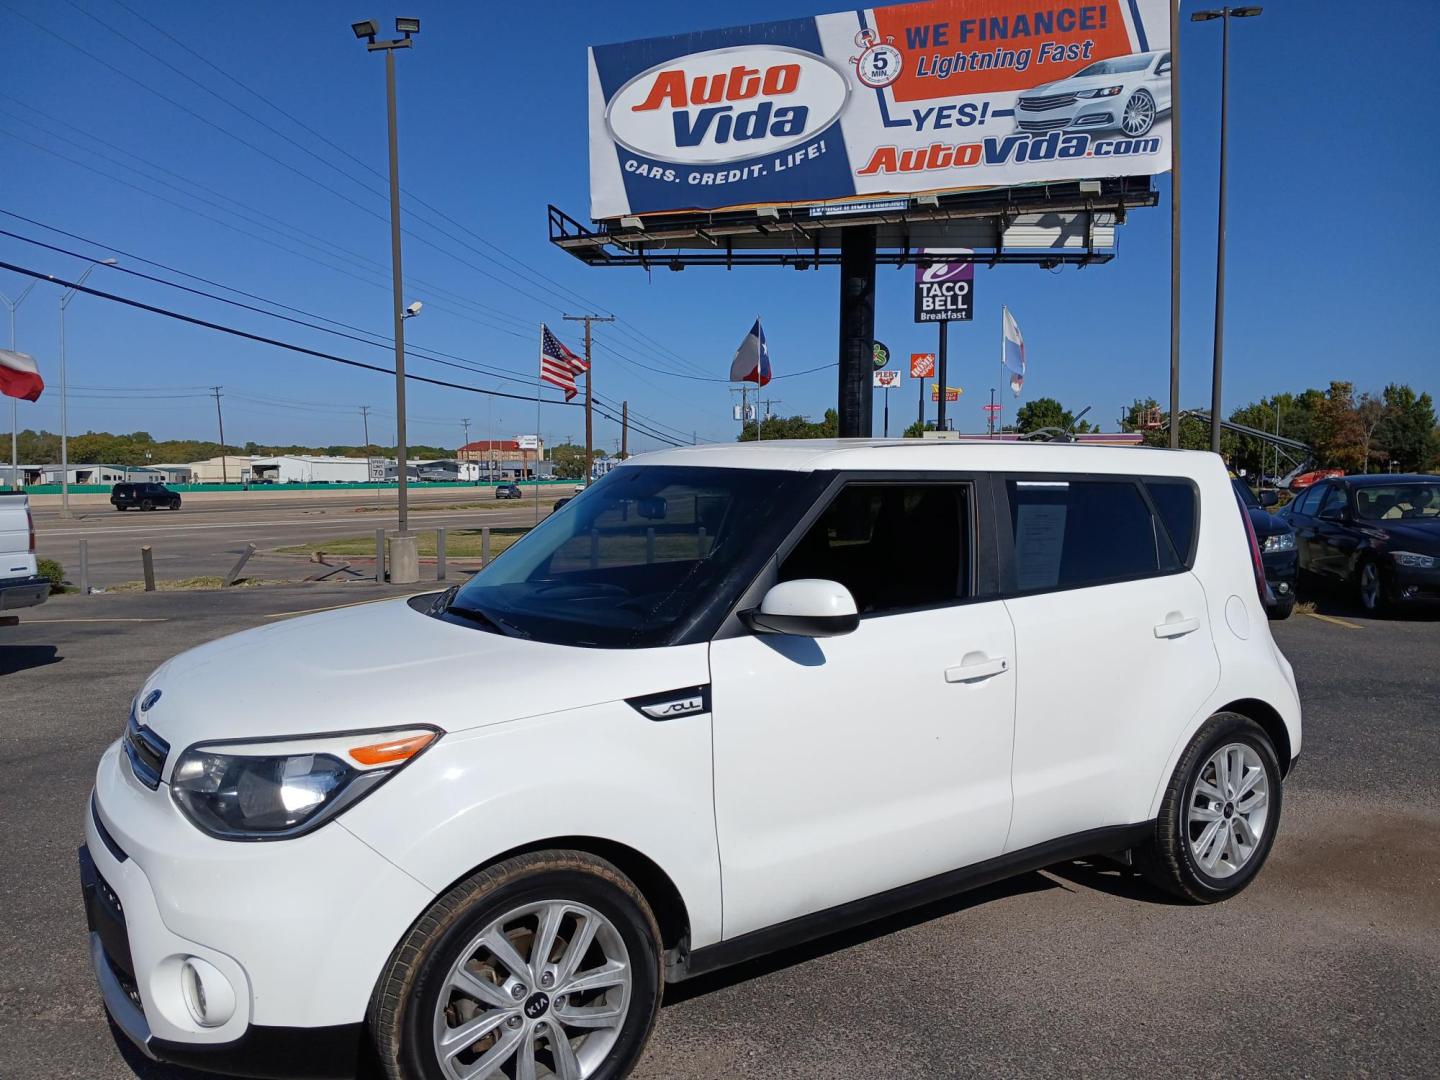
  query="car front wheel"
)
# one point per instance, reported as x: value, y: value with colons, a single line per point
x: 1370, y: 588
x: 1139, y: 115
x: 547, y: 964
x: 1218, y: 817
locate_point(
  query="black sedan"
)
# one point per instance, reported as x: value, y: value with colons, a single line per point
x: 1378, y: 536
x: 1277, y: 548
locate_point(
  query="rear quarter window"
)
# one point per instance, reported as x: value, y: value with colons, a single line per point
x: 1178, y: 503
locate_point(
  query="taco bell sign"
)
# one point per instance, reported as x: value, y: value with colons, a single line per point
x: 945, y: 291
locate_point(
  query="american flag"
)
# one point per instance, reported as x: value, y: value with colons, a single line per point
x: 558, y: 365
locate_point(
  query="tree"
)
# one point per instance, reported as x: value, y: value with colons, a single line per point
x: 1046, y: 412
x: 569, y: 461
x: 1339, y: 435
x: 794, y: 427
x: 1408, y: 432
x: 1371, y: 413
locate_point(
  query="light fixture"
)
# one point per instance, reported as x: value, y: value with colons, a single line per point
x: 631, y: 222
x: 769, y: 212
x: 366, y: 29
x: 1205, y: 16
x: 407, y: 26
x: 1245, y: 12
x: 412, y: 309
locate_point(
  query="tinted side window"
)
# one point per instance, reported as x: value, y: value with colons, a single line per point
x: 892, y: 545
x: 1178, y: 505
x: 1306, y: 503
x: 1334, y: 499
x: 1073, y: 533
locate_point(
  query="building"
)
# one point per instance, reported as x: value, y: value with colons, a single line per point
x: 449, y: 472
x: 230, y: 469
x: 172, y: 474
x: 27, y: 474
x: 504, y: 459
x: 98, y: 474
x: 310, y: 469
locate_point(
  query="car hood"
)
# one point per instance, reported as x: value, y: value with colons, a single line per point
x: 387, y: 665
x: 1265, y: 523
x: 1421, y: 537
x: 1075, y: 84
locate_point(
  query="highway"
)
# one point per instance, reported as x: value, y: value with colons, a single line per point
x: 206, y: 537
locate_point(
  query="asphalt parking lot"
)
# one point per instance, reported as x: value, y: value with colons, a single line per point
x: 1329, y: 965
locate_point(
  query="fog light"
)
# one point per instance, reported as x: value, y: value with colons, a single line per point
x: 208, y: 994
x: 1283, y: 588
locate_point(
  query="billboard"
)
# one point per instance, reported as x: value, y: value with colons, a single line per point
x: 932, y: 96
x: 887, y: 379
x: 922, y: 365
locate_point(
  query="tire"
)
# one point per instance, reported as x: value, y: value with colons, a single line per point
x: 147, y: 504
x: 1370, y: 588
x: 514, y: 898
x: 1138, y: 116
x: 1179, y: 860
x: 175, y: 506
x: 1281, y: 610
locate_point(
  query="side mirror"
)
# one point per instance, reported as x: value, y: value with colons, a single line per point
x: 1333, y: 513
x: 1269, y: 498
x: 806, y: 607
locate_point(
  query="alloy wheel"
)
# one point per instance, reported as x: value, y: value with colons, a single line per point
x: 1369, y: 586
x: 1228, y: 809
x: 542, y: 991
x: 1139, y: 114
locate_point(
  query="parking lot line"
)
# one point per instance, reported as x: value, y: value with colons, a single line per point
x: 1333, y: 619
x: 33, y: 622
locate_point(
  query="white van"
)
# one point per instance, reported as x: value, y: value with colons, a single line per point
x: 730, y: 699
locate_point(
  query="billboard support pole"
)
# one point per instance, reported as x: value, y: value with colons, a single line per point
x: 887, y: 412
x: 857, y: 331
x: 940, y: 362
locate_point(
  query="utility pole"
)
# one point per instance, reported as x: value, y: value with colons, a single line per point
x: 224, y: 472
x: 1175, y: 225
x: 1224, y: 14
x: 589, y: 387
x: 365, y: 419
x: 624, y: 430
x: 14, y: 411
x: 762, y: 410
x: 465, y: 423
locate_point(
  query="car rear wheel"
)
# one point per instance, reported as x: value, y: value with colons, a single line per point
x: 1219, y: 815
x: 147, y: 504
x: 546, y: 964
x: 1139, y: 115
x: 1370, y: 587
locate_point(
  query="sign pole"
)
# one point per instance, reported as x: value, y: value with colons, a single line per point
x: 887, y: 412
x: 944, y: 376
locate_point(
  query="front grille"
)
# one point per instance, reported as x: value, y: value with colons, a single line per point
x: 147, y: 752
x: 1043, y: 125
x: 1041, y: 104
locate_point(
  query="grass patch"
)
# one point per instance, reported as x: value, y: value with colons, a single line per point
x: 1305, y: 607
x: 193, y: 584
x: 459, y: 544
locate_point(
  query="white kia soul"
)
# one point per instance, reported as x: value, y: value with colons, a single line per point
x: 727, y: 700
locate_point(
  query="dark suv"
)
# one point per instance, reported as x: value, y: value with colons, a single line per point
x: 508, y: 491
x: 144, y: 496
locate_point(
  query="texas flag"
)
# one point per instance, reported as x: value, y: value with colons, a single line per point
x: 1012, y: 353
x: 19, y: 377
x: 752, y: 359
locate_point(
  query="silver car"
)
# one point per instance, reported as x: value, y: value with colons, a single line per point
x: 1125, y: 93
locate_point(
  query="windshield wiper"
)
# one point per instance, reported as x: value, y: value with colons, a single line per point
x: 475, y: 615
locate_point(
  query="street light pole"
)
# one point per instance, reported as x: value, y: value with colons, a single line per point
x: 1224, y: 14
x: 404, y: 563
x: 15, y: 402
x: 65, y: 299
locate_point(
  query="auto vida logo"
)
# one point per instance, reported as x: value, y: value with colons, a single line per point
x: 727, y: 104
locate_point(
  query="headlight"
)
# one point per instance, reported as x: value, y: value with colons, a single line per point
x: 1280, y: 542
x: 1104, y: 91
x: 276, y: 789
x: 1419, y: 562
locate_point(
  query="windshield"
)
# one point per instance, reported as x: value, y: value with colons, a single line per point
x: 1116, y: 65
x: 1398, y: 502
x: 639, y: 560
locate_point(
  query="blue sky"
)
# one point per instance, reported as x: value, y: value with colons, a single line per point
x: 1326, y: 277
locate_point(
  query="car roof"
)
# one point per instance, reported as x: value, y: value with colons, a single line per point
x: 911, y: 455
x: 1383, y: 479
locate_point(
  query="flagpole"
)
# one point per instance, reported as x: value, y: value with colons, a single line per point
x: 539, y: 370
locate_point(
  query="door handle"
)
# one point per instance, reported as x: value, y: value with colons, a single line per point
x: 977, y: 669
x: 1175, y: 626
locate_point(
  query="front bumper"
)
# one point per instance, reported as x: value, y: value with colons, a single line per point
x: 1281, y: 568
x: 1413, y: 585
x: 299, y: 929
x: 17, y: 593
x: 1084, y: 114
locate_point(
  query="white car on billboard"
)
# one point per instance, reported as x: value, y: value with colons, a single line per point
x: 1121, y: 93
